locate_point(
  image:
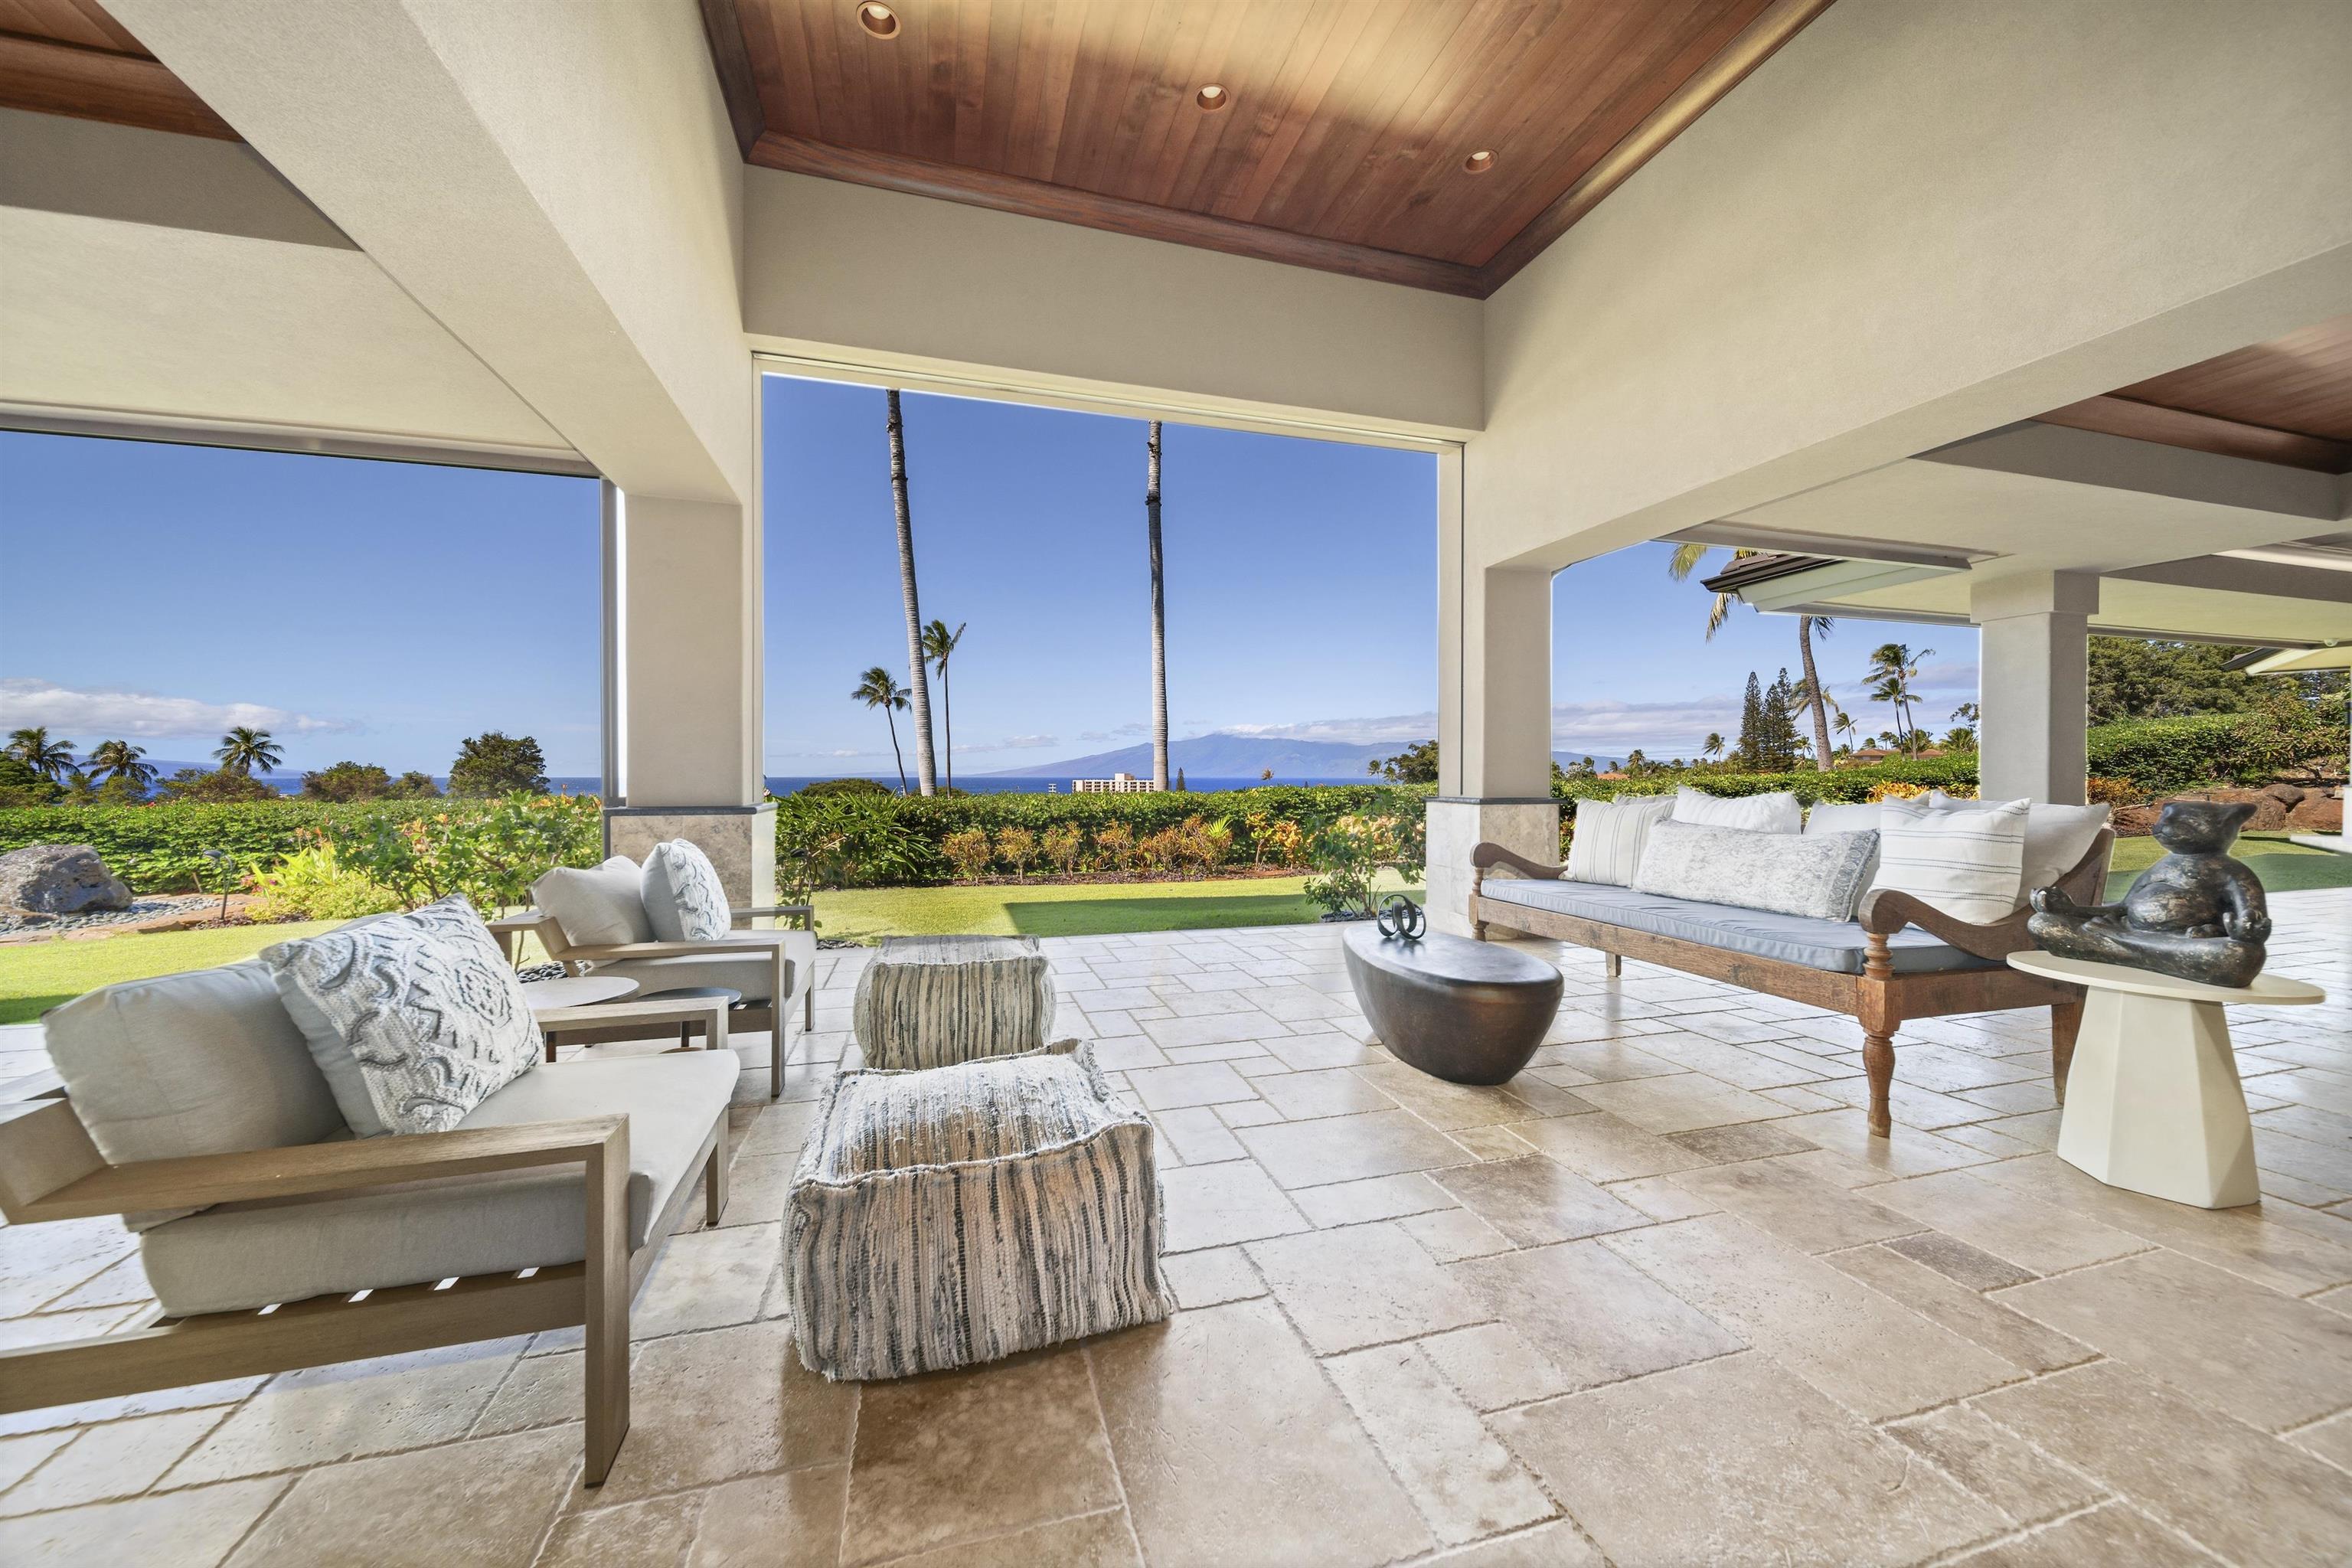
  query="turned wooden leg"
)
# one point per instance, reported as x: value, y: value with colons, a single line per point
x: 2065, y: 1023
x: 714, y: 1182
x: 1478, y: 929
x: 1878, y: 1061
x: 606, y: 1284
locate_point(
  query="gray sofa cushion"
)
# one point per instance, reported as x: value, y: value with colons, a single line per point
x: 249, y: 1255
x: 751, y: 973
x: 684, y: 898
x: 604, y: 906
x: 208, y: 1062
x: 1814, y: 874
x: 1835, y: 946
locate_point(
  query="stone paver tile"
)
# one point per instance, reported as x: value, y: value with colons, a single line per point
x: 1374, y: 1198
x: 1996, y: 1464
x: 2113, y: 1535
x: 190, y: 1528
x: 2330, y: 1439
x: 62, y: 1417
x: 1494, y: 1366
x: 1197, y: 1135
x: 541, y: 1391
x: 1294, y: 1002
x: 1811, y: 1216
x: 1981, y: 1320
x: 1679, y: 1103
x: 489, y: 1504
x: 1909, y: 1153
x: 1197, y: 1083
x: 1216, y: 1205
x: 1606, y: 1061
x: 1451, y: 1235
x: 1852, y: 1343
x: 2269, y: 1360
x: 1332, y: 1092
x: 756, y: 1185
x: 1350, y: 1148
x: 1660, y: 1198
x: 2032, y: 1235
x: 1735, y: 1065
x: 1949, y: 1070
x: 1556, y: 1544
x: 1217, y: 1028
x: 779, y: 1130
x: 122, y: 1285
x: 1312, y: 1049
x: 1235, y: 1449
x: 1245, y: 1113
x: 788, y: 1521
x: 1911, y: 1105
x: 1737, y: 1461
x: 1741, y: 1140
x: 1090, y: 1541
x: 1361, y: 1285
x: 2242, y: 1493
x: 20, y: 1455
x: 1492, y: 1143
x: 2014, y: 1099
x: 707, y: 1280
x: 122, y: 1459
x: 1183, y: 1002
x: 1123, y: 1052
x: 1958, y: 1261
x: 1600, y: 1147
x: 1535, y: 1201
x: 1228, y: 1051
x: 958, y: 1456
x: 658, y: 1530
x: 708, y: 1407
x: 1466, y: 1484
x: 351, y: 1409
x: 1597, y: 1317
x: 39, y: 1263
x: 1210, y: 1279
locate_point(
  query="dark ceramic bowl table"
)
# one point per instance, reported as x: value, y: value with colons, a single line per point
x: 1468, y: 1011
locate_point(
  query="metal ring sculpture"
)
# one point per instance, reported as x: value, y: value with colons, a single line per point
x: 1401, y: 917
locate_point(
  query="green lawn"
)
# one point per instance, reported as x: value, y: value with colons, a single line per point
x: 37, y: 975
x: 2282, y: 866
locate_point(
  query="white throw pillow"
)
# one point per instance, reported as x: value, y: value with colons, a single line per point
x: 1777, y: 813
x: 2056, y: 836
x: 1968, y: 864
x: 684, y: 898
x: 1831, y: 816
x: 601, y: 907
x: 1610, y: 834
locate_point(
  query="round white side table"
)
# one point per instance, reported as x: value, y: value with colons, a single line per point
x: 576, y: 991
x: 2170, y: 1122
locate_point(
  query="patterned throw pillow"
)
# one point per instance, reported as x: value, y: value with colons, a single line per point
x: 1610, y: 835
x: 684, y: 897
x: 1968, y: 864
x: 1819, y: 874
x: 415, y: 1019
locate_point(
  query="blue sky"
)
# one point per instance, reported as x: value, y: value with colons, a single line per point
x: 383, y: 611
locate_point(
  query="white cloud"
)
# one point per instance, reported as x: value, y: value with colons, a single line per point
x: 102, y: 715
x: 1399, y: 727
x: 1011, y: 744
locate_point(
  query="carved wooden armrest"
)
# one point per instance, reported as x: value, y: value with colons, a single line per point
x: 1886, y: 911
x: 1490, y: 855
x: 308, y: 1170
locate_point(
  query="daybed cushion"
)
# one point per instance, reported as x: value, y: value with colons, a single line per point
x: 2056, y: 836
x: 749, y: 973
x: 415, y: 1019
x: 1610, y: 834
x: 601, y: 907
x: 249, y: 1255
x: 1835, y: 945
x: 1814, y: 874
x: 1776, y: 813
x: 684, y: 897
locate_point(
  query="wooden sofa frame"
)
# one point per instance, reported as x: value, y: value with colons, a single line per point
x: 49, y: 1170
x: 1878, y: 998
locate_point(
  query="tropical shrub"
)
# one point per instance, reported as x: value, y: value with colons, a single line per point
x: 221, y: 787
x: 1114, y: 846
x: 969, y: 851
x: 1016, y: 847
x: 312, y: 885
x: 1062, y: 843
x: 347, y: 781
x: 21, y: 786
x: 1349, y: 853
x: 822, y: 788
x: 490, y: 856
x: 2162, y: 756
x: 494, y: 764
x: 161, y: 847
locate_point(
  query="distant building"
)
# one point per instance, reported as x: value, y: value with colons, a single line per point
x: 1118, y: 784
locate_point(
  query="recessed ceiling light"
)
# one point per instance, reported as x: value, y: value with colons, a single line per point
x: 878, y: 19
x: 1213, y: 98
x: 1478, y: 162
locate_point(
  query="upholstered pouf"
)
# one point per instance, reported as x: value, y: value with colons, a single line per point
x: 932, y: 1001
x: 953, y: 1215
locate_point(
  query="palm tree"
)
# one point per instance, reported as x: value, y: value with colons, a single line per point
x: 1685, y: 560
x: 939, y: 646
x: 120, y: 759
x: 919, y: 687
x: 51, y: 759
x: 243, y: 749
x: 1713, y: 747
x: 877, y: 687
x: 1893, y: 667
x: 1843, y: 723
x: 1159, y: 609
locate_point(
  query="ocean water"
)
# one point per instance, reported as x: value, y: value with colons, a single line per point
x: 291, y: 783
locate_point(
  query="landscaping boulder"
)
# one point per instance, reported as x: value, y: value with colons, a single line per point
x: 58, y: 879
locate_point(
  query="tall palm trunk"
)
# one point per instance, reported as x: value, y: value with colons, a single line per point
x: 895, y: 751
x: 947, y: 723
x: 1813, y: 695
x: 1159, y: 611
x: 918, y: 686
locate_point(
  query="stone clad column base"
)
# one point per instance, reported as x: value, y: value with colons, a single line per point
x: 1458, y: 826
x: 739, y: 839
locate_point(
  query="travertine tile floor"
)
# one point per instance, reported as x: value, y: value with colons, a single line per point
x: 1661, y: 1300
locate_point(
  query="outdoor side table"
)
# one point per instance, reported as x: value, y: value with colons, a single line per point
x: 726, y: 996
x: 707, y: 1012
x: 935, y: 1001
x: 2153, y: 1101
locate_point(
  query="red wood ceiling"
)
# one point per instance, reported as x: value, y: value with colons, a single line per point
x: 68, y: 56
x: 2288, y: 400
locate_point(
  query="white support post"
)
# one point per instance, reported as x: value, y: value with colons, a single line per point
x: 2034, y: 684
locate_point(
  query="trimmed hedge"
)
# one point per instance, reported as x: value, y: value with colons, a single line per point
x: 2163, y: 756
x: 1809, y: 786
x: 160, y: 849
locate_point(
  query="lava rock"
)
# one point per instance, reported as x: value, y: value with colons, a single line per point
x: 59, y: 880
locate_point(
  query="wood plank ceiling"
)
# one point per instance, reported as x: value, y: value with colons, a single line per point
x: 1342, y: 137
x: 2286, y: 401
x: 68, y: 56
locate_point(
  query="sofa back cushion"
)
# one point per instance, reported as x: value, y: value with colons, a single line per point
x: 208, y: 1062
x: 1834, y: 816
x: 1820, y: 875
x: 2056, y: 836
x: 1968, y: 864
x: 415, y: 1019
x: 601, y: 907
x: 1775, y: 812
x: 1610, y: 835
x: 684, y: 897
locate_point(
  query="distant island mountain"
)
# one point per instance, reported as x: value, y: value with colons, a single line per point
x: 1221, y: 756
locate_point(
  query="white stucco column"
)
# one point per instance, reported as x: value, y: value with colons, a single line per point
x: 1494, y: 712
x: 2033, y: 683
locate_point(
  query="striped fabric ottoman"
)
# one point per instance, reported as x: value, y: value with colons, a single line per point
x: 932, y: 1001
x: 943, y: 1217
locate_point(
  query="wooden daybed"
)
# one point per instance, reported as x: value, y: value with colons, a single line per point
x: 1872, y: 980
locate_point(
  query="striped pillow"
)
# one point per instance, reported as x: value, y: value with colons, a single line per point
x: 1609, y: 837
x: 1967, y: 864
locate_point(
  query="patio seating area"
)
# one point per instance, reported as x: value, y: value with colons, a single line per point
x: 1660, y: 1299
